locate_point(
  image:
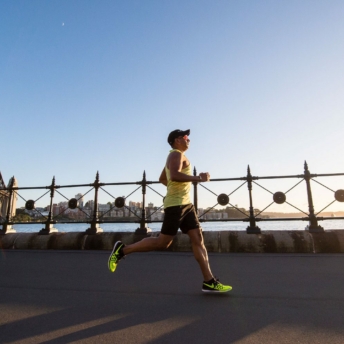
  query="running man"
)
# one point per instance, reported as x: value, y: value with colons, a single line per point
x: 179, y: 213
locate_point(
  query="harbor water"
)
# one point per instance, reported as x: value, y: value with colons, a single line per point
x: 207, y: 226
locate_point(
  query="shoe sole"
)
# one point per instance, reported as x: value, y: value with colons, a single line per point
x: 216, y: 291
x: 112, y: 252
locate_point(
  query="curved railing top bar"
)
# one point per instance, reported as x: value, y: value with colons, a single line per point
x: 223, y: 199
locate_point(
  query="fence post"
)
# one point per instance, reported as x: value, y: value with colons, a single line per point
x: 7, y: 225
x: 49, y: 224
x: 195, y: 192
x: 313, y: 226
x: 252, y: 228
x: 94, y: 228
x: 143, y: 229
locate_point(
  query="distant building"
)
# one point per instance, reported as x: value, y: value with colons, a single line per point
x: 56, y: 209
x: 104, y: 209
x: 80, y: 199
x: 157, y: 216
x: 4, y: 198
x: 89, y: 204
x: 213, y: 215
x: 135, y: 204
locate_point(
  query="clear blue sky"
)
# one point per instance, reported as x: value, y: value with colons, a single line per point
x: 89, y: 86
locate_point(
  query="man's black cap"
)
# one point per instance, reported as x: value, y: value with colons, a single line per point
x: 176, y: 133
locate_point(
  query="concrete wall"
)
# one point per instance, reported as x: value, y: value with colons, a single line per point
x: 224, y: 241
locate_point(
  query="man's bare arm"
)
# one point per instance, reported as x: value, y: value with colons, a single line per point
x: 175, y: 165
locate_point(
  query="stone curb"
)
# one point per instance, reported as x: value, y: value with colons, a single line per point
x: 331, y: 241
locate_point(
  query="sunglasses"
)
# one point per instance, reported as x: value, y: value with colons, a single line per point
x: 185, y: 137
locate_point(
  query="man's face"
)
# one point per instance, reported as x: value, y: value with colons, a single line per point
x: 183, y: 142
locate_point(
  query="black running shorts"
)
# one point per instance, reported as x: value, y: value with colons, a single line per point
x: 180, y: 216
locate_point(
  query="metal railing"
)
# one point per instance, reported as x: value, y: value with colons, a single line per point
x: 94, y: 219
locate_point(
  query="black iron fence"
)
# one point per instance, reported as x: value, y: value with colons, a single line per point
x: 95, y: 217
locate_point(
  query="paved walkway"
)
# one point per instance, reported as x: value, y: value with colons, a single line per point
x: 70, y: 296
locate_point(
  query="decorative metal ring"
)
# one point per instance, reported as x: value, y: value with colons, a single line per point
x: 339, y: 195
x: 222, y: 199
x: 72, y: 203
x: 30, y: 204
x: 279, y: 197
x: 119, y: 202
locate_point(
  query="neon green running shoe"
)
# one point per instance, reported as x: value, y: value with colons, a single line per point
x: 115, y: 256
x: 214, y: 286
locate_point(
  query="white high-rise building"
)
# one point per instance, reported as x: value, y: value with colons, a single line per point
x: 80, y: 199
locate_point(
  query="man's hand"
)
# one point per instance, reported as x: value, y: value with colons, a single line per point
x: 204, y: 177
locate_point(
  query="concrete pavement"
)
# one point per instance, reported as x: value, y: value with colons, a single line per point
x: 52, y: 296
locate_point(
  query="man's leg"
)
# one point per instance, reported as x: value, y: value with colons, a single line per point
x: 200, y: 252
x: 149, y: 244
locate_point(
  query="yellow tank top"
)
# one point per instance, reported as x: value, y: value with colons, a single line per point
x: 178, y: 193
